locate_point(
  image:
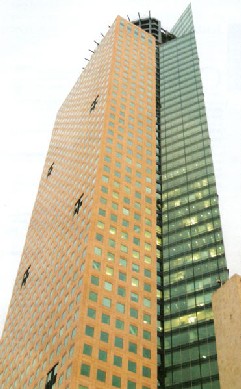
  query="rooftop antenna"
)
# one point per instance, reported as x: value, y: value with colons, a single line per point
x: 86, y: 59
x: 139, y: 18
x: 96, y: 43
x: 91, y: 51
x: 102, y: 34
x: 150, y: 22
x: 128, y: 18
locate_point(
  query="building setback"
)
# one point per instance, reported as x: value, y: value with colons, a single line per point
x: 124, y: 247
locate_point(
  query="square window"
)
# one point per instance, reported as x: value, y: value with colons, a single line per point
x: 125, y: 223
x: 135, y: 267
x: 134, y: 313
x: 146, y: 372
x: 94, y: 280
x: 119, y: 324
x: 85, y: 369
x: 122, y: 276
x: 109, y: 271
x: 106, y: 302
x: 113, y: 217
x: 134, y: 297
x: 147, y: 287
x: 105, y: 318
x: 147, y: 273
x: 147, y: 302
x: 118, y: 342
x: 136, y: 241
x: 133, y: 329
x: 117, y: 361
x: 99, y: 237
x: 146, y: 352
x: 131, y: 385
x: 132, y: 348
x: 116, y: 381
x: 132, y: 366
x: 108, y: 286
x: 93, y: 296
x: 89, y: 331
x: 104, y: 336
x: 87, y: 349
x: 91, y: 313
x: 101, y: 375
x: 121, y: 291
x: 120, y: 307
x: 98, y: 251
x: 146, y: 318
x: 134, y: 281
x: 102, y: 355
x: 110, y: 256
x: 146, y: 335
x: 123, y: 262
x: 124, y: 248
x: 96, y: 265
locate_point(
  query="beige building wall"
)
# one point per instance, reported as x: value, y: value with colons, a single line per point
x: 227, y: 320
x: 84, y: 301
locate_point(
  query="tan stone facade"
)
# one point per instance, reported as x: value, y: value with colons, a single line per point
x: 83, y: 310
x: 227, y: 320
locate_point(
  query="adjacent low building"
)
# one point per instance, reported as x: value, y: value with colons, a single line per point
x: 227, y: 322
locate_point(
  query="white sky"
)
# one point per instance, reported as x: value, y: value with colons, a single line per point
x: 43, y: 45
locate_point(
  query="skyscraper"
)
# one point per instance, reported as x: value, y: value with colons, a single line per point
x: 99, y: 269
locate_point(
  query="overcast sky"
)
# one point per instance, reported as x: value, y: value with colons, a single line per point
x: 43, y: 44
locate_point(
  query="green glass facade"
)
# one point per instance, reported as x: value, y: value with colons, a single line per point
x: 192, y: 251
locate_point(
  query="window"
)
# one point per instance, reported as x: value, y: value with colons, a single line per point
x: 134, y: 313
x: 131, y: 385
x: 132, y: 366
x: 96, y: 265
x: 119, y: 324
x: 132, y: 348
x: 108, y: 286
x: 146, y: 335
x: 120, y: 307
x: 146, y: 353
x: 116, y: 381
x: 101, y: 375
x: 91, y: 313
x: 121, y: 291
x: 85, y: 369
x: 104, y: 336
x: 135, y: 267
x: 51, y: 377
x: 102, y: 355
x: 94, y: 280
x: 87, y: 349
x: 89, y: 331
x: 134, y: 297
x: 122, y: 276
x: 118, y: 342
x: 146, y: 371
x: 133, y: 329
x: 109, y: 271
x: 105, y: 318
x: 93, y: 296
x: 117, y: 361
x: 106, y: 302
